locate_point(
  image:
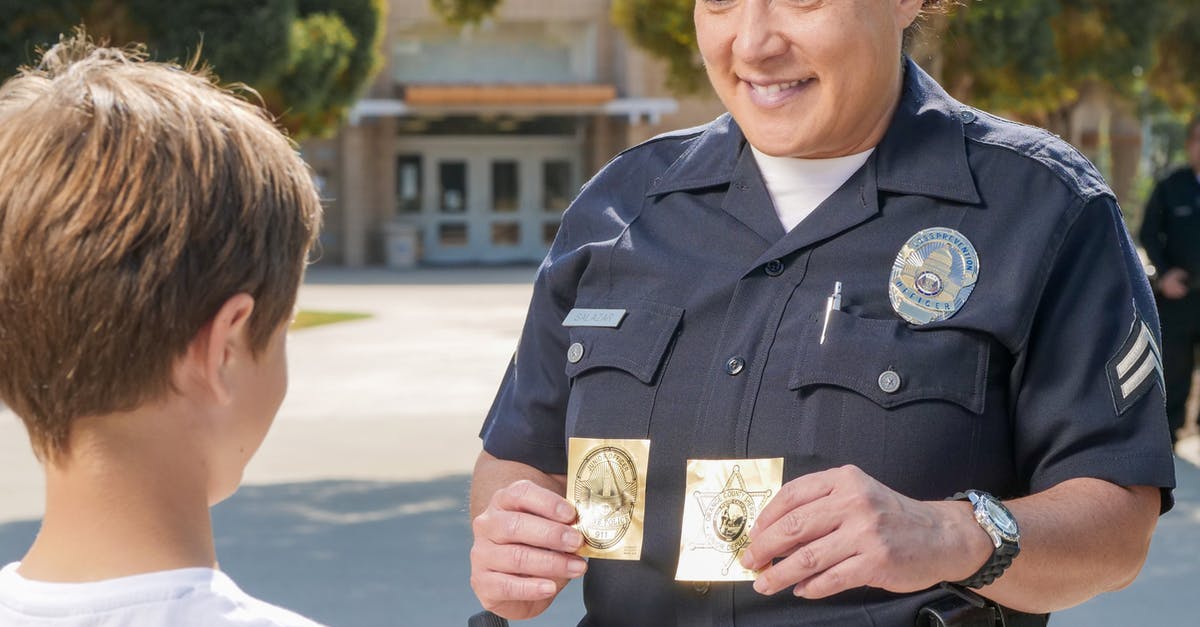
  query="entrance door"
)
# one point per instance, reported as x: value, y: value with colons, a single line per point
x: 486, y: 199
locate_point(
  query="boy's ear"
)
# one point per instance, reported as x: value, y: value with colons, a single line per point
x: 219, y: 344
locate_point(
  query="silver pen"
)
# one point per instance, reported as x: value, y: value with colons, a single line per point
x: 833, y: 303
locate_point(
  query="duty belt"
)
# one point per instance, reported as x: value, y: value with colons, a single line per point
x: 955, y: 611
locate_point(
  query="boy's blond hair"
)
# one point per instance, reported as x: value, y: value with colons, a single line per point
x: 135, y: 199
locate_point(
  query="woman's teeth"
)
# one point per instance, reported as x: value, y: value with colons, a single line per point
x: 771, y: 90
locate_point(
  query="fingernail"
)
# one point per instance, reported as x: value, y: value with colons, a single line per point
x: 760, y: 587
x: 572, y: 539
x: 546, y: 588
x: 576, y: 567
x: 565, y: 512
x: 746, y: 560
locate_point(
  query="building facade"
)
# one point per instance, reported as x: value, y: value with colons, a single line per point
x: 472, y: 141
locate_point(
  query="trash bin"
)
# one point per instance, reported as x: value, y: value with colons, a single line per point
x: 401, y: 241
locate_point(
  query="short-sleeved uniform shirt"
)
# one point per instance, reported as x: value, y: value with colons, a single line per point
x: 1171, y: 225
x: 1028, y: 384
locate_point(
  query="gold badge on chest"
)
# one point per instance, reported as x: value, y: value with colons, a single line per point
x: 933, y: 275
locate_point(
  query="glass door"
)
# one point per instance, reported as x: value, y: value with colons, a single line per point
x: 486, y: 200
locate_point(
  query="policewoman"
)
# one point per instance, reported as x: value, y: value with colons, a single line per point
x: 934, y: 316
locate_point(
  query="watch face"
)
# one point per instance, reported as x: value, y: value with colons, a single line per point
x: 1002, y: 518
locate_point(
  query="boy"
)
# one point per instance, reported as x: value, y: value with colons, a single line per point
x: 154, y: 230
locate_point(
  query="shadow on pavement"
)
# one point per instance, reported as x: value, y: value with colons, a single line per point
x: 361, y: 553
x: 351, y: 553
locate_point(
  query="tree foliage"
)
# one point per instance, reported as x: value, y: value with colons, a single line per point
x: 1176, y: 75
x: 1033, y: 57
x: 464, y: 11
x: 665, y: 29
x: 310, y: 59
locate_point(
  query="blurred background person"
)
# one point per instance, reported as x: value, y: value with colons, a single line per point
x: 1170, y: 234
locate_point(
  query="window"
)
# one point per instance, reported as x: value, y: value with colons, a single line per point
x: 549, y: 232
x: 452, y: 234
x: 505, y: 186
x: 408, y: 184
x: 557, y: 190
x: 453, y: 180
x: 506, y: 234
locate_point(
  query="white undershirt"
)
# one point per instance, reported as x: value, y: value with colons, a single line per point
x: 797, y: 186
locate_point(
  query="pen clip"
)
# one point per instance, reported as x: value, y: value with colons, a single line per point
x: 832, y: 304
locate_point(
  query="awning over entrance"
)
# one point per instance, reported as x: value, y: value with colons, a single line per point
x: 491, y: 95
x: 514, y: 99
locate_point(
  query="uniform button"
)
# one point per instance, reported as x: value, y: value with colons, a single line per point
x: 889, y: 381
x: 735, y: 365
x: 575, y: 353
x: 774, y: 267
x: 701, y: 587
x: 967, y: 116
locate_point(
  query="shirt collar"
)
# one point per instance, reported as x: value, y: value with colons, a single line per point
x: 923, y: 152
x: 709, y: 160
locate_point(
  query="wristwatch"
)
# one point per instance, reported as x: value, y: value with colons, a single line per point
x: 1001, y: 527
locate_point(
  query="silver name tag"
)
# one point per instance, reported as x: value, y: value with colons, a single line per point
x: 609, y: 318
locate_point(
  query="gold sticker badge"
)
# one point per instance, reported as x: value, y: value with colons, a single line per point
x: 724, y: 498
x: 933, y: 275
x: 607, y: 485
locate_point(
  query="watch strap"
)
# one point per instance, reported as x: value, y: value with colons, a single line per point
x: 991, y: 570
x: 1001, y: 559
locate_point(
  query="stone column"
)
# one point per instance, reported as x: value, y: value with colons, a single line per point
x: 355, y: 193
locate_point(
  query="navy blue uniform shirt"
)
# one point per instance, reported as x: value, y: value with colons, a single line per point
x: 1171, y: 225
x: 1013, y: 394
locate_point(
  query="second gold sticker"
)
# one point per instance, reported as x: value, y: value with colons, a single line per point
x: 724, y: 498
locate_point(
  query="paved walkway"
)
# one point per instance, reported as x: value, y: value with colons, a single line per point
x: 354, y: 511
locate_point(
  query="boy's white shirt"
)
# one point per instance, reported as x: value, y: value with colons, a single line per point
x: 189, y: 597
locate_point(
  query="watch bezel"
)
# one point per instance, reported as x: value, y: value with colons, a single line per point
x: 994, y: 517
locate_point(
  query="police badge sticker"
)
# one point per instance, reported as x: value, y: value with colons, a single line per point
x: 934, y: 273
x: 607, y: 486
x: 724, y: 498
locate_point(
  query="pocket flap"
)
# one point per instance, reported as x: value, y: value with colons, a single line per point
x: 637, y: 346
x: 932, y: 364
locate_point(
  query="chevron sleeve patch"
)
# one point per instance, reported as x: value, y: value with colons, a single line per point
x: 1136, y: 367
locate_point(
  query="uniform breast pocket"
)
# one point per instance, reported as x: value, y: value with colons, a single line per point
x: 895, y: 401
x: 614, y: 371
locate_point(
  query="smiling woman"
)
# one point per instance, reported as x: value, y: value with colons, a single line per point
x: 806, y: 78
x: 879, y: 286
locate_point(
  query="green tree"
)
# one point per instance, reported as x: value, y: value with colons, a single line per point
x: 464, y: 11
x: 665, y: 29
x: 309, y: 59
x: 1175, y: 78
x: 1033, y: 58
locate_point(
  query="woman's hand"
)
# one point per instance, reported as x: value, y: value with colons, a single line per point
x: 841, y: 529
x: 524, y: 550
